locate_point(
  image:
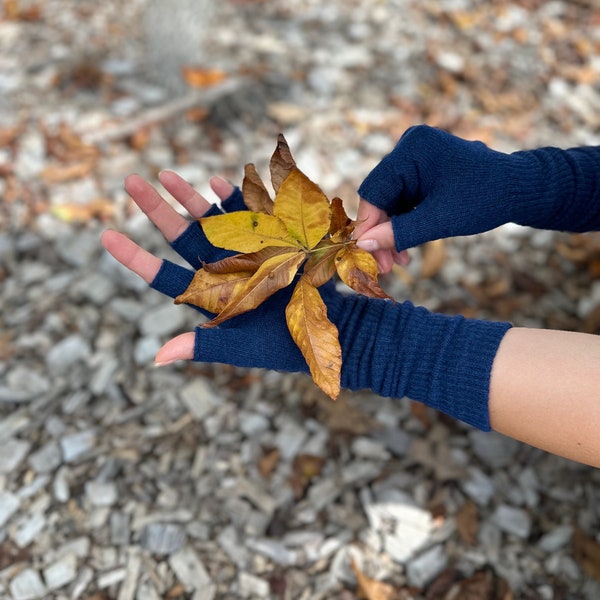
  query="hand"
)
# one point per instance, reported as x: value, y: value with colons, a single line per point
x: 259, y: 339
x: 435, y: 185
x: 392, y: 349
x: 374, y: 234
x: 173, y: 226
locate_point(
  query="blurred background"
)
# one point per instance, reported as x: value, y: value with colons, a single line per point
x: 118, y: 480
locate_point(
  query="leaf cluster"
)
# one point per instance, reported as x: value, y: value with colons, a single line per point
x: 299, y: 238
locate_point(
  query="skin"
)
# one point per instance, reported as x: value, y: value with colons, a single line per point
x: 545, y: 385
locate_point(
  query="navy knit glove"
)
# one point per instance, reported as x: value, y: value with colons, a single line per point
x: 436, y: 185
x: 393, y: 349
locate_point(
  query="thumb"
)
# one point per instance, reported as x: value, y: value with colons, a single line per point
x: 379, y: 237
x: 179, y: 348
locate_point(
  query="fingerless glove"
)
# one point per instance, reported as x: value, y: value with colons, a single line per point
x: 393, y: 349
x: 436, y: 185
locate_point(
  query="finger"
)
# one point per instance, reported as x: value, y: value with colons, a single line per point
x: 130, y: 255
x: 401, y: 258
x: 379, y: 237
x: 184, y: 193
x: 367, y: 217
x: 170, y: 223
x: 221, y: 187
x: 179, y: 348
x: 385, y: 260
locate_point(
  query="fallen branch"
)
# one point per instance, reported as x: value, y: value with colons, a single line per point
x: 123, y: 129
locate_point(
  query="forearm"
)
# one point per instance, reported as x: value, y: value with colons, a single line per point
x: 566, y: 194
x: 545, y: 391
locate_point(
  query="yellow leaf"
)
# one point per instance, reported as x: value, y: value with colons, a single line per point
x: 246, y: 231
x: 304, y: 209
x: 255, y: 193
x: 282, y: 163
x: 316, y: 336
x: 358, y: 270
x: 320, y: 266
x: 274, y: 274
x: 211, y: 291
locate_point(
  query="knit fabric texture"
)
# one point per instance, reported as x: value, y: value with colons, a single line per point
x: 394, y: 349
x: 436, y: 185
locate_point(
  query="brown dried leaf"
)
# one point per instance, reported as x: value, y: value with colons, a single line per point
x: 274, y: 274
x: 250, y: 261
x: 434, y: 257
x: 72, y: 212
x: 202, y: 77
x: 308, y: 466
x: 9, y: 135
x: 213, y: 292
x: 268, y: 462
x: 60, y: 173
x: 68, y: 146
x: 282, y: 162
x: 467, y: 522
x: 358, y: 270
x: 316, y: 336
x: 255, y: 193
x: 341, y: 225
x: 371, y: 589
x: 246, y: 231
x: 320, y: 266
x: 587, y: 553
x: 305, y: 468
x: 343, y: 417
x: 304, y: 209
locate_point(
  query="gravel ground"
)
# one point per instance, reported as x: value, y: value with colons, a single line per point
x: 119, y: 480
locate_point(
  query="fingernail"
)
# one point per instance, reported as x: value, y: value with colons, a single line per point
x: 368, y: 245
x: 164, y: 363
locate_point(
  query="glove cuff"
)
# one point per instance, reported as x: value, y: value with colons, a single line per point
x: 557, y: 189
x: 401, y: 350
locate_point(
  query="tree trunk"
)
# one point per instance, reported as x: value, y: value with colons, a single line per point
x: 175, y: 32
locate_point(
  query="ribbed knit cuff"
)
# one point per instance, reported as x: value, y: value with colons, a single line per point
x: 557, y: 189
x: 401, y: 350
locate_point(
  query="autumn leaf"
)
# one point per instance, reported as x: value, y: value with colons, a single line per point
x: 202, y: 77
x: 246, y: 231
x: 304, y: 209
x: 274, y: 274
x: 320, y: 266
x: 268, y: 462
x: 212, y: 291
x: 587, y: 553
x: 256, y: 196
x: 467, y: 522
x: 249, y: 261
x: 371, y: 589
x: 358, y: 270
x: 341, y: 226
x: 273, y: 240
x: 316, y: 336
x: 282, y: 163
